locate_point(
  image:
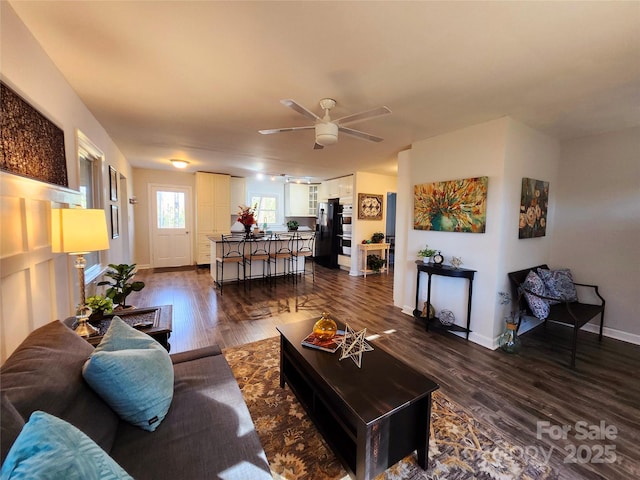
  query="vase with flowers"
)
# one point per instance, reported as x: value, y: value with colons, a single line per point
x: 247, y: 217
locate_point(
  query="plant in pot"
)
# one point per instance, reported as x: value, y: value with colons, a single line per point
x: 292, y: 225
x: 119, y: 286
x: 426, y: 253
x: 100, y: 306
x: 377, y: 237
x: 375, y: 262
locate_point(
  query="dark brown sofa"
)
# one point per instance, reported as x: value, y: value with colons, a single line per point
x: 207, y: 433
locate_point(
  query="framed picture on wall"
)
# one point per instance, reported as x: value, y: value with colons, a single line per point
x: 115, y: 229
x: 369, y: 206
x: 451, y: 206
x: 534, y: 202
x: 113, y: 184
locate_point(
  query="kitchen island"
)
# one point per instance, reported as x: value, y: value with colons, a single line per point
x: 270, y: 243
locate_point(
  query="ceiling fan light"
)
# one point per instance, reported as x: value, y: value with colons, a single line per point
x: 326, y: 133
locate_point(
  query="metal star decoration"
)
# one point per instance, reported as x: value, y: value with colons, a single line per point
x: 353, y: 345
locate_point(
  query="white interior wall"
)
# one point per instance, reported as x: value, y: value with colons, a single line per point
x: 598, y: 223
x: 36, y: 285
x: 505, y: 151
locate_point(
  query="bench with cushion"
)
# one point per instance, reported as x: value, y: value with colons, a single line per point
x: 553, y: 297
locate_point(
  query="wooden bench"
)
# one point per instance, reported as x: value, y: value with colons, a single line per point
x: 573, y: 314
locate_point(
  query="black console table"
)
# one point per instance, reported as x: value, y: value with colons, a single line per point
x: 445, y: 271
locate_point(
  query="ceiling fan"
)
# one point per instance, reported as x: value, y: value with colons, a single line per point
x: 326, y: 129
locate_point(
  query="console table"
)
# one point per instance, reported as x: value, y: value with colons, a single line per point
x: 446, y: 271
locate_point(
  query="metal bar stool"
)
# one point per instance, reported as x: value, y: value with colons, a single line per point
x: 303, y: 245
x: 232, y: 251
x: 258, y: 252
x: 280, y: 249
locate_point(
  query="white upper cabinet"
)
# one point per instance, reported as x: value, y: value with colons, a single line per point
x: 300, y: 200
x: 238, y: 194
x: 345, y: 189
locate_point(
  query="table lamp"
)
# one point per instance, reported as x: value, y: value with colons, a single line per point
x: 77, y: 231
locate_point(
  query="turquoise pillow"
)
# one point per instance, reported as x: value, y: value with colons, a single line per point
x: 50, y: 448
x: 133, y: 374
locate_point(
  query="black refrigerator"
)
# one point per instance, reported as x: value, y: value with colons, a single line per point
x: 327, y: 231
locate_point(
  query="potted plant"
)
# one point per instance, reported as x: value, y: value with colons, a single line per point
x: 377, y: 237
x: 375, y: 262
x: 292, y: 225
x: 100, y: 306
x: 119, y: 286
x: 426, y: 253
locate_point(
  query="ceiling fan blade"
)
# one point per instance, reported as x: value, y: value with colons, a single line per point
x: 317, y: 146
x: 357, y: 117
x: 359, y: 134
x: 292, y: 104
x: 286, y: 129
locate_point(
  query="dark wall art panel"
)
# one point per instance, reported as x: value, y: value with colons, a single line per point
x: 30, y: 144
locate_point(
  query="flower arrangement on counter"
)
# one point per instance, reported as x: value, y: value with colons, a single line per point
x: 247, y: 215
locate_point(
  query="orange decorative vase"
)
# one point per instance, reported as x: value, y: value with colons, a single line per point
x: 325, y: 328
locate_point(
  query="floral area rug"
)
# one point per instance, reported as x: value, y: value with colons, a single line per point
x: 459, y: 447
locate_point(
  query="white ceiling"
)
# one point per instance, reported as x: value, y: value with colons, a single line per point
x: 197, y: 80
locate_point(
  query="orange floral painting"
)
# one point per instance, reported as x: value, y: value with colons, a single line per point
x: 533, y: 208
x: 451, y: 206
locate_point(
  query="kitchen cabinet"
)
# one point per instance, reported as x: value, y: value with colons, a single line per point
x: 333, y: 188
x: 238, y: 187
x: 345, y: 189
x: 300, y: 200
x: 213, y: 198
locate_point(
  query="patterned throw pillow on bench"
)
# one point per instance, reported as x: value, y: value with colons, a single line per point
x: 559, y: 284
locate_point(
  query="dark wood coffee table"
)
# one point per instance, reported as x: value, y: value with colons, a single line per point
x: 160, y: 329
x: 372, y: 417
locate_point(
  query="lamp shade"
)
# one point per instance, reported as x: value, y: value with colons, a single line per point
x: 78, y: 230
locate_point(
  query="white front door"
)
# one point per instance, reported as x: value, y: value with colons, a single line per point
x: 170, y: 219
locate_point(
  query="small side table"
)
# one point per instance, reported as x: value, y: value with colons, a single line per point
x: 365, y: 248
x: 160, y: 330
x: 445, y: 271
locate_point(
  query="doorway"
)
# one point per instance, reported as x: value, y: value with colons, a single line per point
x: 390, y: 226
x: 170, y: 226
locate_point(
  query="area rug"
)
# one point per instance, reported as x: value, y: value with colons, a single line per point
x: 459, y: 447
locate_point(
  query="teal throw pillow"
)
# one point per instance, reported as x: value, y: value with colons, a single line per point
x: 50, y: 448
x: 133, y: 374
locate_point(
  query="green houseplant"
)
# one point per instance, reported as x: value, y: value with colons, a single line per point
x: 375, y: 262
x: 377, y: 237
x: 100, y: 306
x: 292, y: 225
x: 119, y: 286
x: 426, y: 252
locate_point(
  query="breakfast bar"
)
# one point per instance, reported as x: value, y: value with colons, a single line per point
x: 279, y: 246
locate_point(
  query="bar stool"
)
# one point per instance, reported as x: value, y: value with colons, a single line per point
x: 232, y: 252
x: 258, y: 252
x: 280, y: 249
x: 303, y: 247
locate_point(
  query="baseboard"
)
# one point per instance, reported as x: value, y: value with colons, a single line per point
x: 144, y: 266
x: 613, y: 333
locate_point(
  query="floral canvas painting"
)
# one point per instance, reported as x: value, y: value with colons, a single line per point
x: 534, y: 203
x: 451, y: 206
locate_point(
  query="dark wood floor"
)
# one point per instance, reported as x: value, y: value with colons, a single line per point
x: 510, y: 392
